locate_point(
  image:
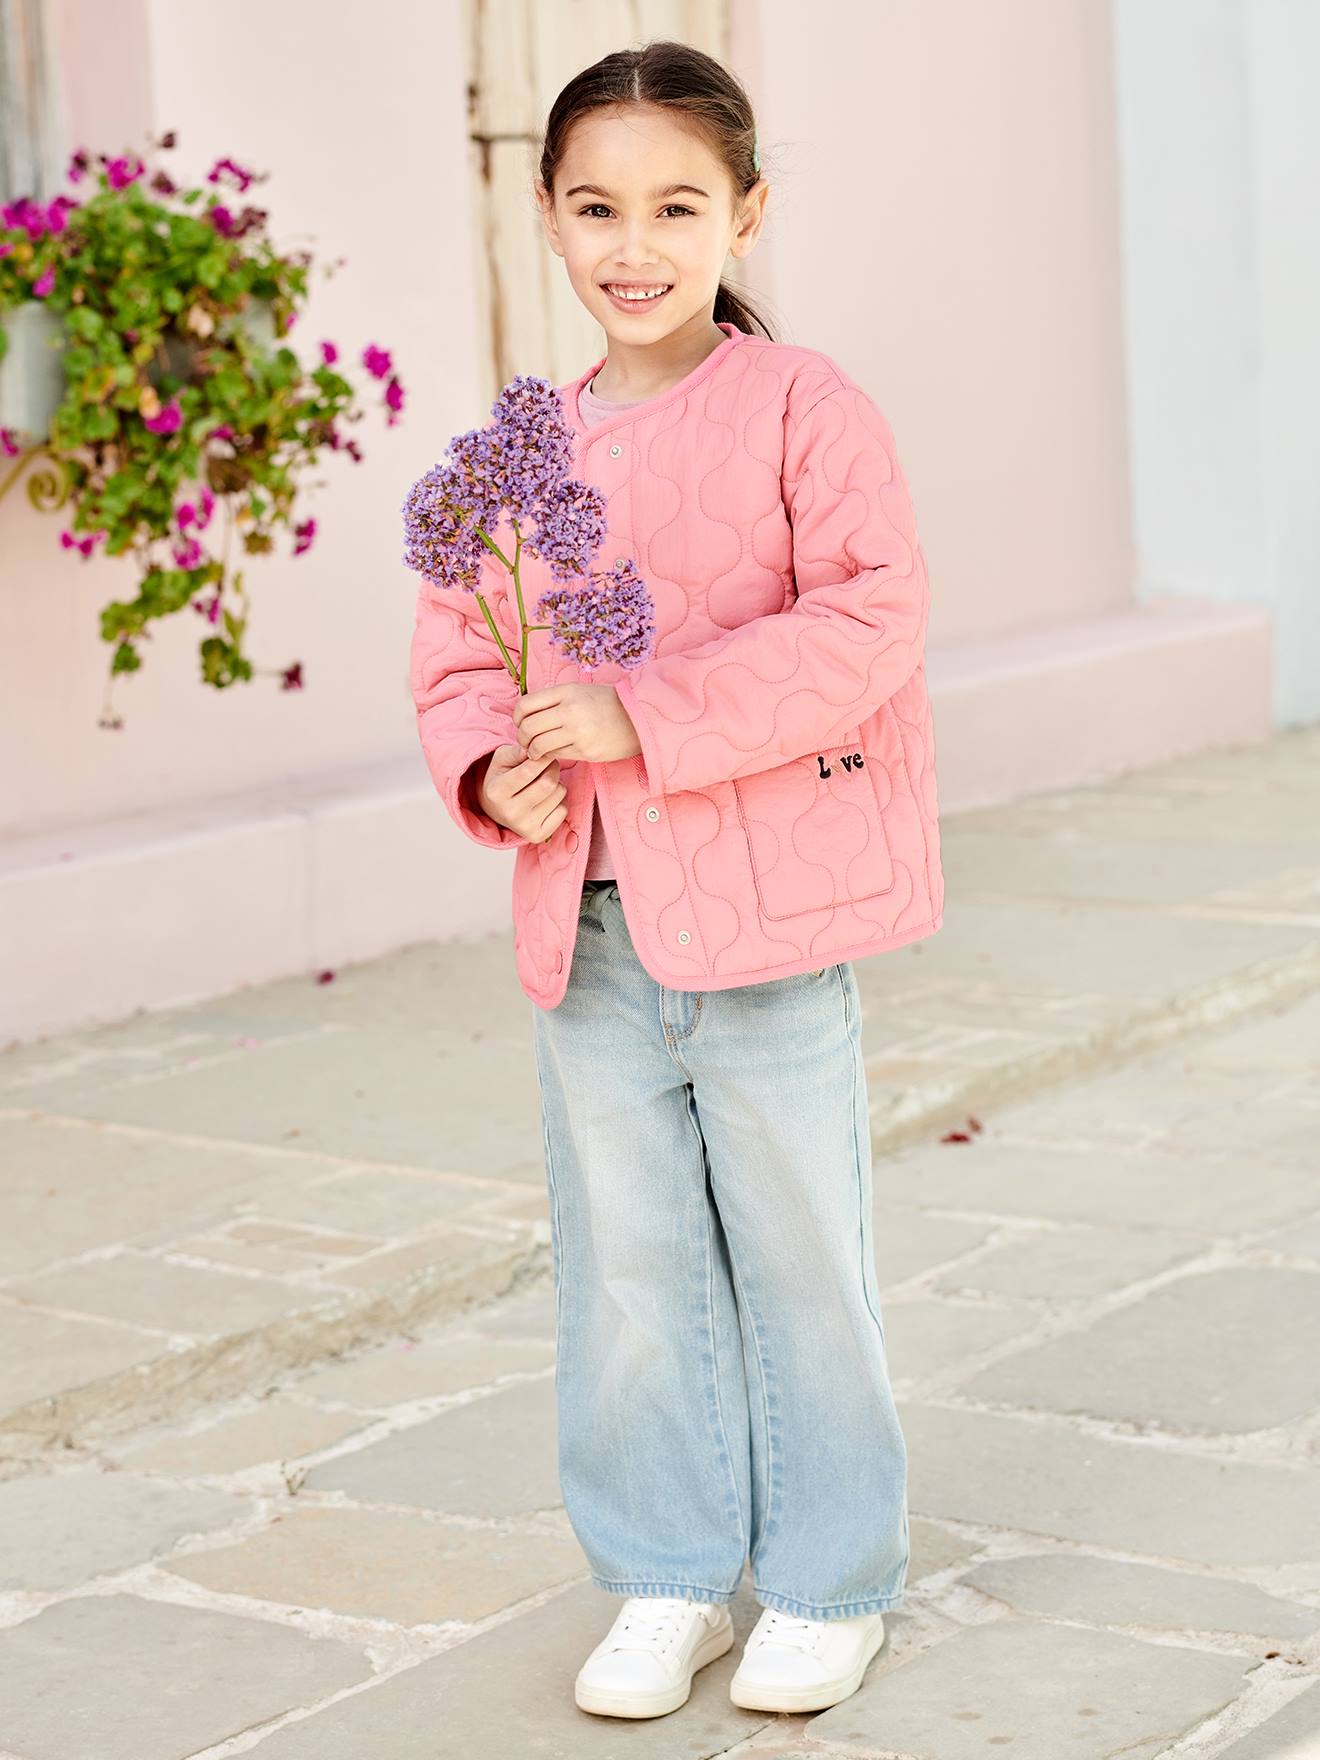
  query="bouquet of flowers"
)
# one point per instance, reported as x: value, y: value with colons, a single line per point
x: 518, y: 466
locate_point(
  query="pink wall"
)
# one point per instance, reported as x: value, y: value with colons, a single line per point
x: 944, y: 220
x: 366, y: 143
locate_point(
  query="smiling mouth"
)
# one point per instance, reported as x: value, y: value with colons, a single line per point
x: 637, y: 299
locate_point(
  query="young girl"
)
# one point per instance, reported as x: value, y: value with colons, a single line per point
x: 705, y: 844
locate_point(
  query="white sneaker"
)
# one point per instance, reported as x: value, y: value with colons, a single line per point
x: 644, y: 1664
x: 792, y: 1664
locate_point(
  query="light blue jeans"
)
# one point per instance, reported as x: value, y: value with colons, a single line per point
x: 722, y: 1383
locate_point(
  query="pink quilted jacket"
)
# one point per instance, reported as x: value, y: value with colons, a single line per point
x: 782, y: 814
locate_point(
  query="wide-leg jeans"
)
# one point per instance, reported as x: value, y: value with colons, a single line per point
x: 721, y: 1381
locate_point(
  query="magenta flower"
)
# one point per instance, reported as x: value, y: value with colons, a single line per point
x: 221, y: 218
x: 225, y: 170
x: 78, y: 165
x: 85, y: 545
x: 222, y: 432
x: 121, y: 172
x: 168, y: 421
x: 58, y: 211
x: 189, y: 555
x: 291, y: 677
x: 44, y: 282
x: 5, y: 247
x: 304, y: 533
x: 376, y: 361
x: 393, y: 401
x: 8, y: 445
x: 329, y: 353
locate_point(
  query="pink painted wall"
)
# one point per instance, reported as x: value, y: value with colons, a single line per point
x: 944, y: 221
x: 366, y: 142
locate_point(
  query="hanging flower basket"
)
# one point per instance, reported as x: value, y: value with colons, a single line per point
x: 144, y: 372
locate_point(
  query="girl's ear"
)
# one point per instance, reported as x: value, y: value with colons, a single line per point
x: 545, y: 203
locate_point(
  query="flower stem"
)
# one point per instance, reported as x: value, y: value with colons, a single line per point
x: 522, y: 611
x: 485, y: 612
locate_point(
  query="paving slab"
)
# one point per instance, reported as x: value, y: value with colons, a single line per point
x: 63, y: 1528
x: 509, y: 1693
x: 1127, y: 1494
x: 494, y: 1456
x: 1036, y: 1691
x: 1067, y: 1264
x: 378, y: 1564
x: 1206, y: 1352
x: 117, y: 1677
x: 1110, y: 1592
x: 1291, y: 1734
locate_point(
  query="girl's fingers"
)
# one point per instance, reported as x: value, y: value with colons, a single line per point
x: 563, y: 745
x: 537, y: 722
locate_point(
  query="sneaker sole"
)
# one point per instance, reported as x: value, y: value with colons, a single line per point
x: 817, y: 1698
x: 654, y: 1704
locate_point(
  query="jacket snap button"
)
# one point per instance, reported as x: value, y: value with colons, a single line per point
x: 615, y: 450
x: 683, y: 935
x: 653, y: 812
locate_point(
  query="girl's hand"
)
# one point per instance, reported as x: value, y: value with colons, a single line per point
x: 573, y: 722
x: 523, y: 793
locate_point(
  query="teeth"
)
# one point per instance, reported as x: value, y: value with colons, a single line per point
x: 631, y: 293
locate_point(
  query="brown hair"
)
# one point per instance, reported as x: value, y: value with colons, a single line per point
x: 678, y: 77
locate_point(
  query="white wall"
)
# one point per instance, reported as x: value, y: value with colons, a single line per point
x: 1219, y: 135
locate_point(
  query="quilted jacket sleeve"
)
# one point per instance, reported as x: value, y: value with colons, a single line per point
x: 464, y: 695
x: 797, y: 680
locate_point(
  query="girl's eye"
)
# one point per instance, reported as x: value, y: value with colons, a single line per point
x: 670, y: 209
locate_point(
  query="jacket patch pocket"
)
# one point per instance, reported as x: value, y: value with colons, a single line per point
x: 815, y: 835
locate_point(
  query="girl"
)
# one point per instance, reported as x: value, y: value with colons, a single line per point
x: 704, y: 846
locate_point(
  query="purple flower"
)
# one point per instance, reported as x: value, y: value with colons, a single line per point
x: 610, y: 622
x: 304, y: 533
x: 329, y: 353
x: 167, y: 421
x: 393, y: 401
x: 221, y: 218
x: 519, y: 465
x: 376, y: 360
x: 44, y: 282
x: 188, y: 555
x: 78, y: 165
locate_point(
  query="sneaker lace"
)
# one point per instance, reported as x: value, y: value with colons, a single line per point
x: 649, y: 1622
x: 788, y: 1628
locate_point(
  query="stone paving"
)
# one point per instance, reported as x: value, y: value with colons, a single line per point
x: 277, y: 1343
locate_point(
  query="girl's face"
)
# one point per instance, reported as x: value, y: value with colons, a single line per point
x: 639, y: 198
